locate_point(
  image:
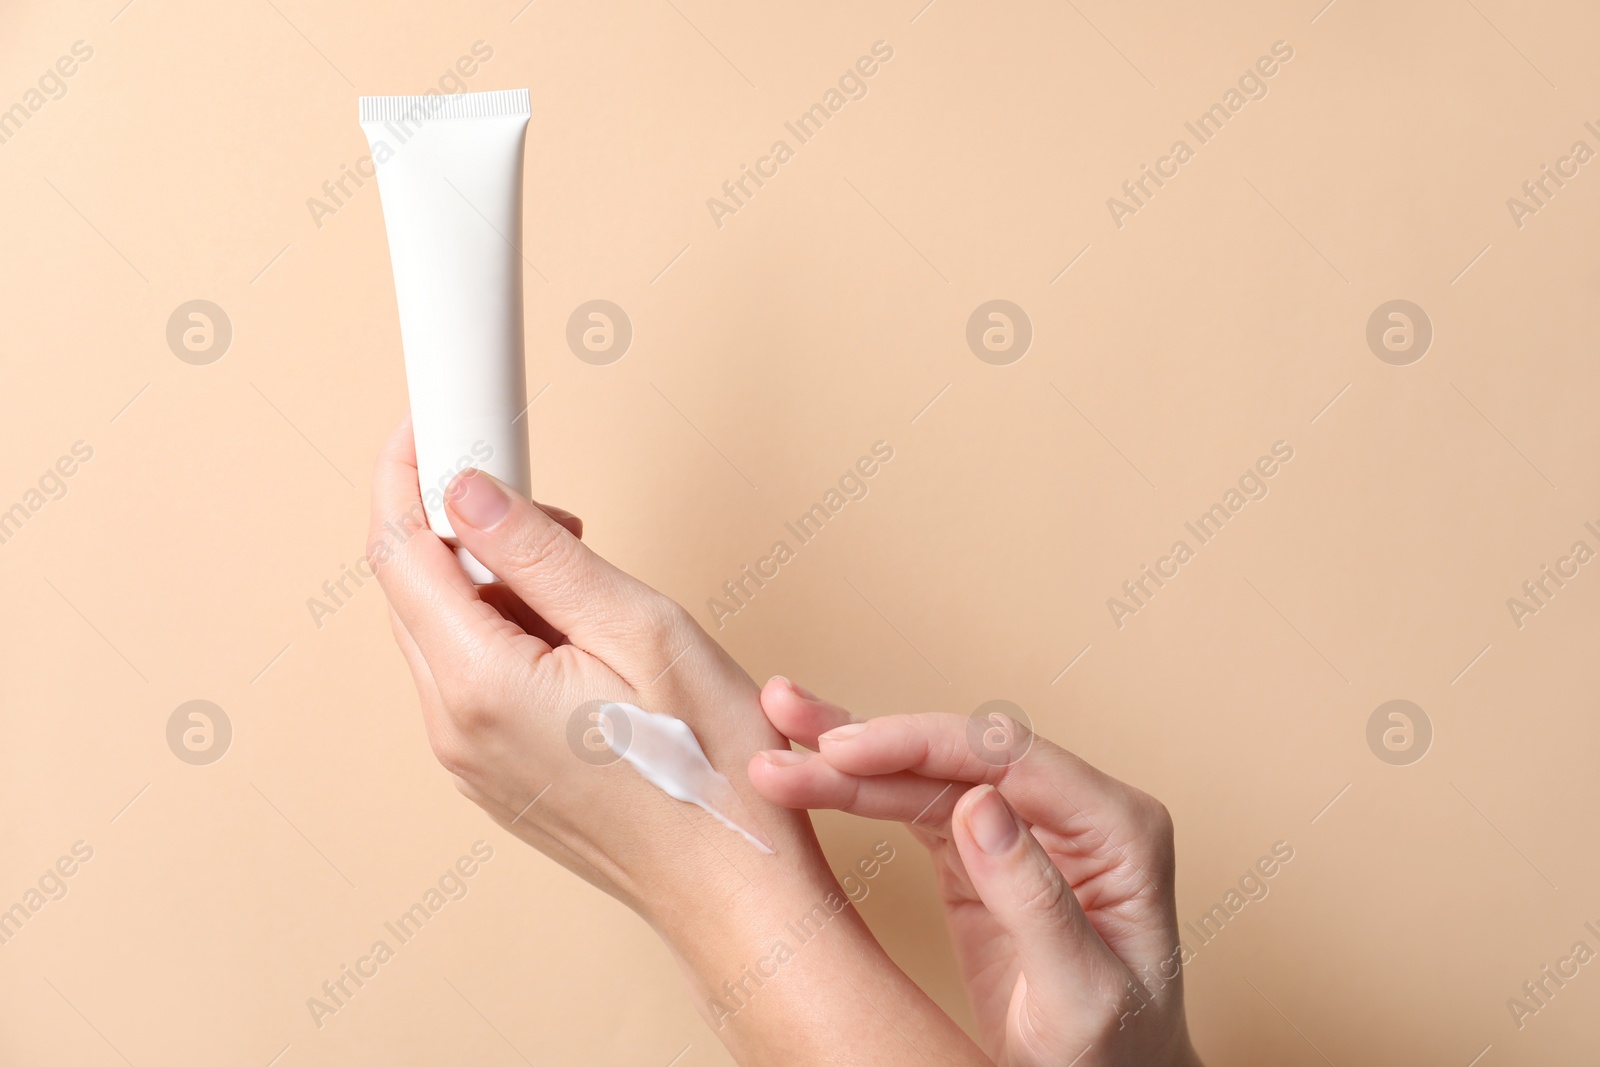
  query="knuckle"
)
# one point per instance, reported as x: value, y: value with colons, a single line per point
x: 1150, y: 844
x: 946, y: 748
x: 662, y: 627
x: 666, y: 620
x: 454, y: 756
x: 1160, y: 818
x: 468, y: 703
x: 540, y: 546
x: 471, y: 718
x: 1112, y: 1001
x: 1047, y: 899
x: 1155, y: 821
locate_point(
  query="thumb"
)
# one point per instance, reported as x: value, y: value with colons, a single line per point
x: 1063, y: 959
x: 539, y: 557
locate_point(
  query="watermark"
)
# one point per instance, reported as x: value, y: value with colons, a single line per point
x: 999, y: 332
x: 1252, y: 485
x: 1539, y: 991
x: 1537, y: 592
x: 1538, y: 192
x: 337, y: 992
x: 999, y: 733
x: 599, y: 332
x: 597, y: 735
x: 199, y: 332
x: 199, y: 732
x: 1399, y: 732
x: 50, y: 87
x: 1399, y: 332
x: 50, y: 886
x: 51, y: 486
x: 1138, y: 191
x: 340, y: 590
x: 338, y: 191
x: 739, y: 992
x: 852, y: 85
x: 1252, y: 888
x: 852, y: 485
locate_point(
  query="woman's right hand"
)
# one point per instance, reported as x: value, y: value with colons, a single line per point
x: 1057, y: 880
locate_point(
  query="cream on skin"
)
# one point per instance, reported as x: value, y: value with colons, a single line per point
x: 666, y: 754
x: 450, y: 179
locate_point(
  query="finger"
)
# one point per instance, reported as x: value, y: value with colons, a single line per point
x: 1035, y: 774
x: 428, y: 696
x: 1062, y: 957
x: 799, y: 714
x: 555, y: 574
x: 436, y: 602
x: 569, y: 522
x: 508, y: 604
x: 801, y: 780
x: 421, y: 675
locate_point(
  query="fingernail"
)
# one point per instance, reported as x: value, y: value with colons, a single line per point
x: 478, y: 499
x: 784, y: 757
x: 843, y: 733
x: 794, y: 687
x: 993, y: 826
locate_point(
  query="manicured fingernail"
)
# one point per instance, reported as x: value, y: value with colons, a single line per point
x: 843, y: 733
x: 802, y: 690
x: 478, y: 499
x: 993, y: 826
x: 784, y: 757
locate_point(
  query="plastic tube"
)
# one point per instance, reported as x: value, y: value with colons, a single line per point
x: 450, y: 178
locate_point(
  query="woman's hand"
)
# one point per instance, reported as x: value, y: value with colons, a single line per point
x: 501, y: 670
x: 504, y: 672
x: 1057, y: 880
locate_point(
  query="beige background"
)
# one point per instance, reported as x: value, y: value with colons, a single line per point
x: 1228, y: 314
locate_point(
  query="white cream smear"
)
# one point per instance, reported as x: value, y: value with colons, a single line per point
x: 665, y: 752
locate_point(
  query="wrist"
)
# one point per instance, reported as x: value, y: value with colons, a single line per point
x: 783, y: 969
x: 734, y: 908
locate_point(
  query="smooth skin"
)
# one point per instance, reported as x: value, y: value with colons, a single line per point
x: 1057, y: 880
x: 502, y: 670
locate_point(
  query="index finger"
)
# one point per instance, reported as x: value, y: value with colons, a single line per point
x: 798, y: 714
x: 944, y: 746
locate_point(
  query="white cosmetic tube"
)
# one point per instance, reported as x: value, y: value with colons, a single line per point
x: 450, y: 178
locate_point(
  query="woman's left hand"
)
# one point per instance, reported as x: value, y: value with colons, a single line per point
x: 503, y: 670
